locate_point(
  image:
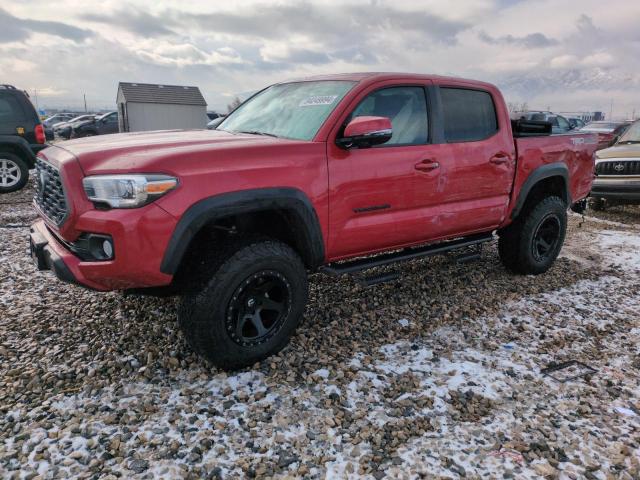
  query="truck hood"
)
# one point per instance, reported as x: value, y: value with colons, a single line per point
x: 153, y: 151
x: 620, y: 151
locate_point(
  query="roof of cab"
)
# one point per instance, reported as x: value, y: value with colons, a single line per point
x: 371, y: 77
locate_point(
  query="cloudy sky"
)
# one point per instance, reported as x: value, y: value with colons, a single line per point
x: 563, y: 54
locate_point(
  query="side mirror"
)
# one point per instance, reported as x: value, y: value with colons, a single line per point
x: 364, y: 132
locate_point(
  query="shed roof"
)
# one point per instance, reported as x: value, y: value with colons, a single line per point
x: 171, y: 94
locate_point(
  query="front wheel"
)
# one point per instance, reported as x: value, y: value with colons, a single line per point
x: 533, y: 241
x: 249, y: 308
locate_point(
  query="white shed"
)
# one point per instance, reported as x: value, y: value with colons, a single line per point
x: 143, y: 107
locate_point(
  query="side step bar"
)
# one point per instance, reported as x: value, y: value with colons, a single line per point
x: 358, y: 265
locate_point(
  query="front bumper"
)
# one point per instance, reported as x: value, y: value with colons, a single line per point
x: 46, y: 257
x: 618, y: 188
x: 139, y: 239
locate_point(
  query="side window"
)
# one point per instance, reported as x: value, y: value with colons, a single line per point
x: 562, y: 123
x: 406, y: 107
x: 10, y: 109
x: 468, y: 115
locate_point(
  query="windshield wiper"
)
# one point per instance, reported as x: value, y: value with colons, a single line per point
x: 255, y: 132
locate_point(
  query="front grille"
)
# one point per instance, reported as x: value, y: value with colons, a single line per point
x: 618, y: 167
x: 50, y: 192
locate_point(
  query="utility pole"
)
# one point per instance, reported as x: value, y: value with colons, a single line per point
x: 35, y: 94
x: 85, y: 102
x: 611, y: 110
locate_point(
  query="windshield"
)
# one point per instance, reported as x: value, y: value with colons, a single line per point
x: 100, y: 117
x: 632, y: 135
x: 289, y: 110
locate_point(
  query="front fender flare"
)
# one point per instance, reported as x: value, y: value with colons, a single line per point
x: 210, y: 209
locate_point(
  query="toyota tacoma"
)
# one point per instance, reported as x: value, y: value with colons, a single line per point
x: 617, y: 179
x: 338, y: 174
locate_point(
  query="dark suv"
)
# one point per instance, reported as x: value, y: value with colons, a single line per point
x: 102, y: 125
x: 21, y: 137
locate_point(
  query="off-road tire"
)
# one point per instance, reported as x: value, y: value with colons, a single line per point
x: 205, y: 317
x: 520, y: 243
x: 13, y: 161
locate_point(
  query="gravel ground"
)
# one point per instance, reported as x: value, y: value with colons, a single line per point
x: 437, y: 375
x: 620, y: 213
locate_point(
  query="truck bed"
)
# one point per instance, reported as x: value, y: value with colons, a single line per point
x: 575, y: 150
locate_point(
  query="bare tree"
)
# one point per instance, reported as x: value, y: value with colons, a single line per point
x: 234, y: 104
x: 517, y: 107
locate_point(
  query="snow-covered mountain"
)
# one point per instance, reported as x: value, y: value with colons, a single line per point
x: 532, y: 84
x: 575, y: 89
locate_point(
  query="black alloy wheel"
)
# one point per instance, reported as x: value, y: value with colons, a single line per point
x: 546, y: 237
x: 258, y: 308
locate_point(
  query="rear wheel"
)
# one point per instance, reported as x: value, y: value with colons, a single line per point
x: 14, y: 172
x: 533, y: 241
x: 250, y: 306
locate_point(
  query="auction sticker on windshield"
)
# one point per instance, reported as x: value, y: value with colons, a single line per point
x: 318, y: 100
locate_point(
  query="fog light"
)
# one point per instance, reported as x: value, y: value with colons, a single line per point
x: 107, y: 248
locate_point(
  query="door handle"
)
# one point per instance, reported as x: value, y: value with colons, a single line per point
x: 500, y: 158
x: 427, y: 165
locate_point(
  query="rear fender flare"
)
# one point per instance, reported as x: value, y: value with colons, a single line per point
x: 20, y: 146
x: 210, y: 209
x: 557, y: 169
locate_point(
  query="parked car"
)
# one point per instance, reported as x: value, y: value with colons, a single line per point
x: 213, y: 115
x: 21, y: 137
x: 618, y: 171
x: 576, y: 122
x: 51, y: 122
x: 63, y: 130
x: 559, y: 123
x: 608, y: 132
x: 213, y: 124
x: 304, y: 176
x: 102, y: 125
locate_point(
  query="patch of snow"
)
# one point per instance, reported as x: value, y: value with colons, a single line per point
x: 322, y: 373
x: 624, y: 248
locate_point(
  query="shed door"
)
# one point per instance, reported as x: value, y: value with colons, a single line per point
x: 124, y: 119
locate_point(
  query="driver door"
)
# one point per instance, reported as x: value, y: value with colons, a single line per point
x: 379, y: 196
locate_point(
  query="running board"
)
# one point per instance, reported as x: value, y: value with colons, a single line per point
x: 411, y: 253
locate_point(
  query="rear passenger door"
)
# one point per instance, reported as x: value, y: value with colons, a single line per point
x: 476, y: 156
x: 12, y: 116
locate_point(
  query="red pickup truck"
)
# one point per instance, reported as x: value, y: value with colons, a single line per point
x: 337, y: 173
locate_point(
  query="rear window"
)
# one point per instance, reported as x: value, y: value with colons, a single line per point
x: 469, y: 115
x: 10, y: 109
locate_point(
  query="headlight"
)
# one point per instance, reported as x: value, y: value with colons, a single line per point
x: 127, y: 191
